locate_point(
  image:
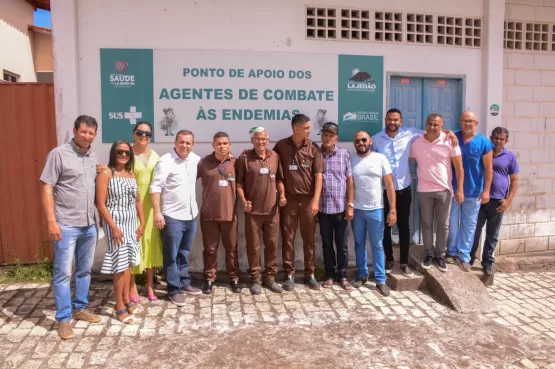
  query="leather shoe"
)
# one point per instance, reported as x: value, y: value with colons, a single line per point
x: 236, y: 287
x: 207, y: 287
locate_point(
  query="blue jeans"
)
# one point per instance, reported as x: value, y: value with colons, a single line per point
x: 177, y: 241
x: 370, y: 221
x: 77, y: 243
x: 462, y: 224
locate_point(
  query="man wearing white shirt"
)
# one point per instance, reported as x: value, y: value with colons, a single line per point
x: 369, y: 169
x: 172, y: 192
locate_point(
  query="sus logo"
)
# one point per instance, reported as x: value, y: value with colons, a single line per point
x: 320, y: 119
x: 121, y: 65
x: 359, y: 76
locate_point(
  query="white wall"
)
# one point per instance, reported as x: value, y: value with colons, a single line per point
x: 15, y: 53
x: 236, y: 25
x: 529, y: 115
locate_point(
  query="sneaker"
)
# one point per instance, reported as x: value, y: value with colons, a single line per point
x: 65, y: 331
x: 406, y: 271
x: 360, y: 281
x: 450, y: 259
x: 273, y: 286
x: 427, y: 263
x: 488, y: 270
x: 289, y: 284
x: 256, y: 288
x: 388, y: 266
x: 236, y: 287
x: 178, y: 299
x: 207, y: 287
x: 384, y: 290
x: 440, y: 262
x: 311, y: 282
x: 86, y: 316
x: 465, y: 266
x: 190, y: 290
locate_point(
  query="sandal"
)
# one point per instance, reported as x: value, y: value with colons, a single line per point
x: 345, y: 284
x: 134, y: 299
x: 328, y: 283
x: 124, y: 316
x: 152, y: 297
x: 130, y: 306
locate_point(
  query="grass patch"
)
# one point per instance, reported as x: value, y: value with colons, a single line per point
x: 33, y: 273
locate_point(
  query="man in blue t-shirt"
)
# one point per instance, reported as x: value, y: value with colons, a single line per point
x: 505, y: 168
x: 477, y: 163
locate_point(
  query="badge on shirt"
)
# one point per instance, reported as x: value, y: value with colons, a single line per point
x: 264, y: 170
x: 305, y: 164
x: 293, y: 167
x: 223, y: 183
x: 230, y: 177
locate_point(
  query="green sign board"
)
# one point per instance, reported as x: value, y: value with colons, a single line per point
x: 233, y: 91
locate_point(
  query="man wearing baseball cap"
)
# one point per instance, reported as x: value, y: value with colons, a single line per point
x: 336, y: 207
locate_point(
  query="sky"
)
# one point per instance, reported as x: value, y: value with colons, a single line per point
x: 42, y: 18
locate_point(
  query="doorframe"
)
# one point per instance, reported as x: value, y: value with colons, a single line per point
x: 460, y: 77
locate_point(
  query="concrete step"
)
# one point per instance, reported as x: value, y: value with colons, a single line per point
x: 463, y: 291
x: 399, y: 282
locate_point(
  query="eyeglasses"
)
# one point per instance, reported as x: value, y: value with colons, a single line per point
x: 143, y: 133
x: 467, y: 121
x: 123, y: 152
x: 363, y: 140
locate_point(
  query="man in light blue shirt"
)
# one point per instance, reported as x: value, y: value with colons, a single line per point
x: 478, y: 173
x: 394, y: 142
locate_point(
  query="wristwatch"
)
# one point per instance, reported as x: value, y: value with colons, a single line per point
x: 351, y: 205
x: 394, y: 212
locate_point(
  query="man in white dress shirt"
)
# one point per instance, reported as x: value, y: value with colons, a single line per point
x: 172, y: 192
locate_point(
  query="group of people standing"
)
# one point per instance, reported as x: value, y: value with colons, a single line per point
x: 149, y: 212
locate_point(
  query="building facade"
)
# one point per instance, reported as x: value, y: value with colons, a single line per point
x: 438, y: 56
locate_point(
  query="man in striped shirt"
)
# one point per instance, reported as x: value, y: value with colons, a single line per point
x: 336, y: 207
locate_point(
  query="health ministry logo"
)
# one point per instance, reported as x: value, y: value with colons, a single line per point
x: 349, y: 116
x: 361, y: 81
x: 121, y: 80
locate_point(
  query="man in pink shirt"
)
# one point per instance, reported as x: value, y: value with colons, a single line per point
x: 434, y: 154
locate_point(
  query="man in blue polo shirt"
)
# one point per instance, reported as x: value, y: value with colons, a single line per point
x: 505, y: 167
x: 477, y: 163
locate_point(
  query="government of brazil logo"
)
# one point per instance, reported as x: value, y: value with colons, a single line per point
x: 349, y: 116
x: 120, y: 79
x: 361, y: 81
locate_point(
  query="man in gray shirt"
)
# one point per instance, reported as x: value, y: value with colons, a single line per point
x: 68, y: 190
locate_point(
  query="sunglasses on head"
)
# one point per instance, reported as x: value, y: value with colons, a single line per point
x: 363, y: 140
x: 143, y: 133
x: 123, y: 152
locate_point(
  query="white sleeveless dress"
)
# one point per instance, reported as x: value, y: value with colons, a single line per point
x: 121, y: 203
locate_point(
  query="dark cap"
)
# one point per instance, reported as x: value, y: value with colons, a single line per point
x: 329, y: 126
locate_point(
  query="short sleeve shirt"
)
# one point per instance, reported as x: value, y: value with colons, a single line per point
x: 299, y: 165
x: 258, y: 177
x: 73, y: 177
x: 504, y: 165
x: 472, y: 153
x: 434, y: 170
x: 219, y: 197
x: 368, y: 172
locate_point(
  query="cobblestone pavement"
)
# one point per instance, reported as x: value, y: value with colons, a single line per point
x: 301, y: 329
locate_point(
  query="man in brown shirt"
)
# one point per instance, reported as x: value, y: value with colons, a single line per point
x: 218, y: 214
x: 257, y: 172
x: 303, y: 165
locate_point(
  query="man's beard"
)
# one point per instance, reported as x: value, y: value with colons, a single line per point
x: 392, y: 130
x: 363, y: 150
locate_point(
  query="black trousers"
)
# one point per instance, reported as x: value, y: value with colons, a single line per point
x: 334, y: 227
x: 489, y: 216
x: 403, y: 200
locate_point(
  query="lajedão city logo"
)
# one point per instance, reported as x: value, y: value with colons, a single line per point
x: 121, y: 79
x: 361, y: 81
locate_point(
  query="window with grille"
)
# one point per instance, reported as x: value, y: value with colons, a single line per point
x: 553, y: 39
x: 321, y: 23
x: 537, y: 37
x: 420, y: 28
x: 355, y: 24
x: 9, y: 76
x: 388, y: 26
x: 513, y: 35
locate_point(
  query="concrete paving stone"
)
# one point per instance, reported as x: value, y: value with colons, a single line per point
x: 43, y: 350
x: 17, y: 334
x: 114, y: 330
x: 38, y: 331
x: 76, y: 361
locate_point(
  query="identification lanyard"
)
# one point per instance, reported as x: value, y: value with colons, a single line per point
x: 222, y: 170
